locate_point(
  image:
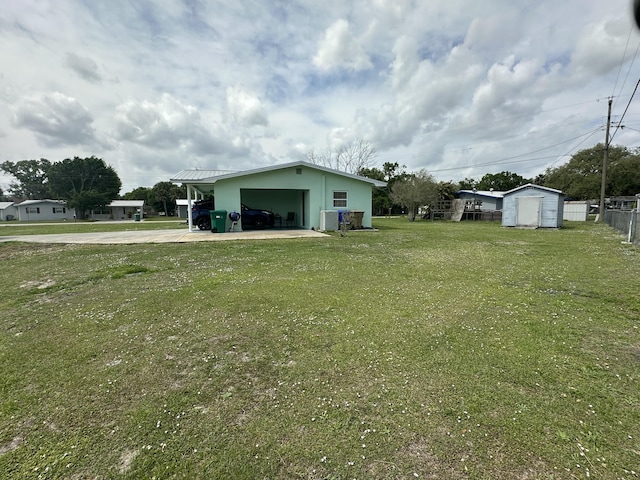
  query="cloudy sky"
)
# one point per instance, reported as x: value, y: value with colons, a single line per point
x: 459, y: 87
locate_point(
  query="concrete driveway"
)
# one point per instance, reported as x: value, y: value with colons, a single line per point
x: 159, y: 236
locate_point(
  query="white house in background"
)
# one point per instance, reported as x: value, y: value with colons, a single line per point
x: 119, y: 210
x: 182, y: 208
x: 44, y: 210
x: 8, y: 211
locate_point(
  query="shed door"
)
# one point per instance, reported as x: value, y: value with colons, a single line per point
x: 528, y: 211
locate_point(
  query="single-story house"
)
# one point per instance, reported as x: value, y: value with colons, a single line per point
x: 486, y: 200
x: 533, y: 206
x: 8, y: 211
x: 622, y: 203
x: 119, y: 210
x: 44, y: 210
x: 301, y: 190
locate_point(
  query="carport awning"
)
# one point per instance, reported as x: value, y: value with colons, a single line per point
x: 197, y: 176
x: 200, y: 180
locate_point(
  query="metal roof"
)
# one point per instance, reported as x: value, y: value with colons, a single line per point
x: 4, y: 205
x: 212, y: 176
x: 45, y: 200
x: 535, y: 187
x: 198, y: 175
x: 127, y: 203
x: 483, y: 193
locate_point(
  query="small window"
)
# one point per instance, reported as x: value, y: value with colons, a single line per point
x: 59, y: 210
x: 340, y: 199
x: 298, y: 171
x: 33, y: 209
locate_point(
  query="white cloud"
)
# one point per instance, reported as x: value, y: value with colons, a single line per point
x: 55, y: 119
x: 245, y: 107
x: 167, y: 123
x: 171, y: 125
x: 340, y: 49
x: 594, y: 52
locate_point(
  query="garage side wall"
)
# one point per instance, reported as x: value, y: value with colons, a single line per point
x: 358, y: 196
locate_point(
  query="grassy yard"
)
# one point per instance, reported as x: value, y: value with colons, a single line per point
x: 424, y: 350
x: 43, y: 228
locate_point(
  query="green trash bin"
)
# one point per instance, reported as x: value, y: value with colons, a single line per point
x: 218, y: 221
x: 137, y: 217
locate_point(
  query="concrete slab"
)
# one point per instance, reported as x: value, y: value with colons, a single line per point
x: 160, y: 236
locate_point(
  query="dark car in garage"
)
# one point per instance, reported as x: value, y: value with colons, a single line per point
x: 251, y: 217
x: 256, y: 218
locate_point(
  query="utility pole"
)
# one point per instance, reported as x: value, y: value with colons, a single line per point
x: 605, y: 160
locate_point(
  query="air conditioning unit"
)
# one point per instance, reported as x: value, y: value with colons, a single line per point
x: 329, y: 220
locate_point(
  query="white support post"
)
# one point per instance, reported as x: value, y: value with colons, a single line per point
x: 189, y: 212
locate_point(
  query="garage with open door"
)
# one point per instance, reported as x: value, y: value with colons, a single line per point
x: 294, y: 193
x: 289, y: 206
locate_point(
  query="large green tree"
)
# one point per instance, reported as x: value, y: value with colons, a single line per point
x: 139, y: 193
x: 623, y: 175
x: 447, y: 190
x: 501, y: 182
x: 390, y: 173
x: 165, y: 194
x: 31, y: 178
x: 581, y: 177
x: 415, y: 190
x: 380, y: 198
x: 85, y: 183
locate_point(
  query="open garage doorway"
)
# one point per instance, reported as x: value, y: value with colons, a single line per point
x: 291, y: 207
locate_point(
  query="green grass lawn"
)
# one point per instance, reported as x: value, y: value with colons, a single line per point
x: 424, y: 350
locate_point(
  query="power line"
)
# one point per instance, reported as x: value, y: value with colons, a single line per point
x: 511, y: 159
x: 574, y: 147
x: 624, y: 54
x: 625, y: 111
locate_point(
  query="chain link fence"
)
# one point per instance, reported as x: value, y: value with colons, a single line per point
x: 624, y: 221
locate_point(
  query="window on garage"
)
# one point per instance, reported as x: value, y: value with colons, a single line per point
x: 339, y: 199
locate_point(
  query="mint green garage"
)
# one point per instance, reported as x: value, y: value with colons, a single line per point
x: 300, y: 192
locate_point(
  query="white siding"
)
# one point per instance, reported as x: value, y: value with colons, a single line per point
x: 551, y: 206
x: 576, y: 211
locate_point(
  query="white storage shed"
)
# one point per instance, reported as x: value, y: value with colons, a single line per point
x: 576, y: 211
x: 533, y: 206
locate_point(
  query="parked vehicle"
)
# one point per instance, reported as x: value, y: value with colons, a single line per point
x: 256, y: 218
x: 251, y: 217
x: 200, y: 214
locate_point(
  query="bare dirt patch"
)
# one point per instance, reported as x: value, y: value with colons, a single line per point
x: 38, y: 284
x: 126, y: 459
x: 11, y: 446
